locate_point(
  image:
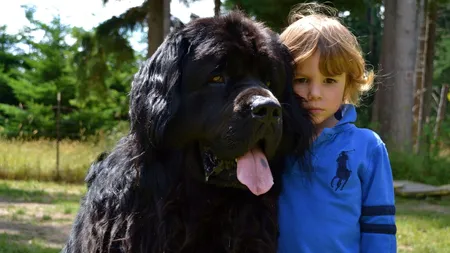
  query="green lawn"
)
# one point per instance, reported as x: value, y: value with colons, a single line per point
x: 36, y: 217
x: 423, y: 226
x: 36, y: 160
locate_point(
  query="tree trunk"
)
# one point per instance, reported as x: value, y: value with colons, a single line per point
x: 217, y: 4
x: 381, y: 110
x: 405, y: 47
x: 420, y: 71
x: 372, y: 41
x: 166, y: 18
x: 429, y: 58
x: 155, y: 24
x: 370, y: 16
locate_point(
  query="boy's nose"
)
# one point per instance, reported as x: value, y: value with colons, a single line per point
x: 314, y: 92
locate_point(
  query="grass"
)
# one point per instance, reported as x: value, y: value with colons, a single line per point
x: 40, y: 192
x: 37, y: 217
x: 36, y: 160
x: 44, y: 201
x: 431, y: 169
x: 423, y: 226
x: 14, y: 244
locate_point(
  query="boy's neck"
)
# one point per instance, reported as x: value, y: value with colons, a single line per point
x: 328, y: 123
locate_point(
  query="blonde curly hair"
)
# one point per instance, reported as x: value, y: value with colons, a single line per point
x: 316, y: 27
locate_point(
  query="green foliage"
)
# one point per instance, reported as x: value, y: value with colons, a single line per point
x: 430, y: 166
x: 10, y: 59
x: 441, y: 73
x: 128, y: 21
x: 92, y: 75
x: 429, y: 170
x: 104, y: 74
x: 35, y: 88
x: 274, y: 13
x: 442, y: 69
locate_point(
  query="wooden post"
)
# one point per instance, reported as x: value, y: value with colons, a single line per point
x: 58, y: 112
x: 217, y: 4
x: 419, y: 77
x: 441, y: 110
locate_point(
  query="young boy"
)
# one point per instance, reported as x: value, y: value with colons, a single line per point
x: 345, y: 203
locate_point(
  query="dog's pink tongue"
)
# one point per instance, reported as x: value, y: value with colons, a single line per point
x: 254, y: 172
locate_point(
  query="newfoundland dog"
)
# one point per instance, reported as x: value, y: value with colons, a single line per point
x: 212, y: 114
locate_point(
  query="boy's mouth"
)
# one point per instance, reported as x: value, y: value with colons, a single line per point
x: 315, y: 110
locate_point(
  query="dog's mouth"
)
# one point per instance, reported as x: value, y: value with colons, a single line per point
x: 249, y: 170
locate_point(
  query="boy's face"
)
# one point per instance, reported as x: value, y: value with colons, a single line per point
x: 323, y: 94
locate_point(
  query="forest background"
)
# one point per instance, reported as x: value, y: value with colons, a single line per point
x: 64, y: 95
x: 64, y: 100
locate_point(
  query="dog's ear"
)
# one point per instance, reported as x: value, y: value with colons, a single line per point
x: 154, y: 96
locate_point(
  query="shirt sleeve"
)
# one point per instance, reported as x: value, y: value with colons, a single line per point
x: 378, y: 229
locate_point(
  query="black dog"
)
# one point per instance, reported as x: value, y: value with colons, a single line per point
x: 212, y: 114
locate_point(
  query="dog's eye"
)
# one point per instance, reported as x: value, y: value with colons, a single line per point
x: 268, y: 83
x: 216, y: 79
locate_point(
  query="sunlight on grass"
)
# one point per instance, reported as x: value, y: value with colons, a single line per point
x: 31, y: 201
x: 19, y: 244
x: 35, y: 210
x: 423, y: 227
x: 37, y: 159
x: 42, y: 192
x: 37, y: 216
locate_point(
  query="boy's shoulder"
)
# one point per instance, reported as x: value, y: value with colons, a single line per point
x: 365, y: 135
x: 347, y: 116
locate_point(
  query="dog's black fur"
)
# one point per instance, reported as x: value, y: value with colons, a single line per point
x: 150, y: 193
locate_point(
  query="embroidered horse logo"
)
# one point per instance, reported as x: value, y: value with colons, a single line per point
x: 342, y: 173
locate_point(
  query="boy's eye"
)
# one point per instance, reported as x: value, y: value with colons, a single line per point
x: 330, y: 80
x: 300, y: 80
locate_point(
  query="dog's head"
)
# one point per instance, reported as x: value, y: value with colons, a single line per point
x: 225, y: 85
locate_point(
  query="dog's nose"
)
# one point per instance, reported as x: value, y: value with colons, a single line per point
x: 265, y: 109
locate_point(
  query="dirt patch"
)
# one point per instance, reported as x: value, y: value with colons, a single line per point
x: 34, y: 211
x: 425, y: 206
x: 50, y: 224
x: 431, y: 208
x: 35, y: 221
x: 52, y: 235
